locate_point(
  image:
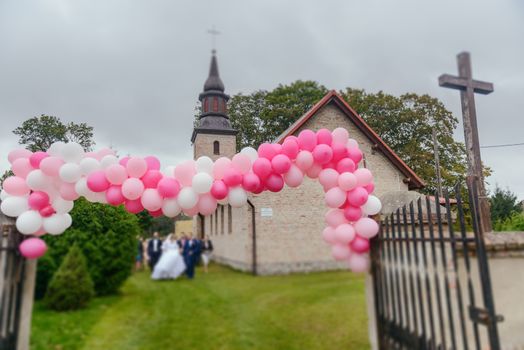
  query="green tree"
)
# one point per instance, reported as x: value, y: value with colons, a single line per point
x: 504, y: 204
x: 107, y: 237
x: 39, y: 133
x: 71, y: 287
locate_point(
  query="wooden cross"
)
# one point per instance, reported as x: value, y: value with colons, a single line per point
x: 214, y: 33
x: 468, y: 87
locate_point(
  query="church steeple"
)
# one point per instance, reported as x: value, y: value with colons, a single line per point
x: 213, y: 117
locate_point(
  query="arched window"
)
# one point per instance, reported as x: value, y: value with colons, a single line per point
x: 216, y: 147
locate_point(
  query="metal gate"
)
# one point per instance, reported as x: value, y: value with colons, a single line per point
x: 432, y: 286
x: 12, y: 266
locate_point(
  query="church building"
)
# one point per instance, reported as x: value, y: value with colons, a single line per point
x: 281, y: 232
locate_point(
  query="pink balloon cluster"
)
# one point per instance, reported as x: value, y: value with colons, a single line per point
x: 45, y: 184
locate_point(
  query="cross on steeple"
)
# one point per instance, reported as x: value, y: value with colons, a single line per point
x: 468, y: 87
x: 214, y: 33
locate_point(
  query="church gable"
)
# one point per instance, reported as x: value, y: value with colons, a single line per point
x: 332, y: 112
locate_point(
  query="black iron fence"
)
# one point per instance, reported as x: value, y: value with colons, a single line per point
x: 12, y: 266
x: 432, y: 287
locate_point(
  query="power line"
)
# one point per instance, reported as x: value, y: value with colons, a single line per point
x: 504, y: 145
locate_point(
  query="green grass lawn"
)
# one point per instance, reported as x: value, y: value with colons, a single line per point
x: 221, y: 310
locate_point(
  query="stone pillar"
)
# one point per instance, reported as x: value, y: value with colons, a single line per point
x: 26, y: 310
x: 372, y: 320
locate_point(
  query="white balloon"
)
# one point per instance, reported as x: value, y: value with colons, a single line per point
x: 92, y: 197
x: 169, y: 171
x: 372, y: 206
x: 56, y: 149
x: 62, y: 206
x: 187, y: 198
x: 352, y: 144
x: 3, y: 195
x: 14, y: 206
x: 237, y: 197
x: 29, y: 222
x: 171, y: 208
x: 250, y: 152
x: 81, y: 187
x: 88, y: 165
x: 70, y: 172
x: 72, y: 152
x: 205, y: 164
x: 38, y: 181
x: 108, y: 160
x: 202, y: 183
x: 57, y: 223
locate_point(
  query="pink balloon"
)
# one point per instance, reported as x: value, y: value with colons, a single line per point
x: 136, y: 167
x: 314, y: 171
x: 358, y: 263
x: 123, y: 161
x: 36, y: 158
x: 352, y: 213
x: 328, y: 234
x: 340, y: 252
x: 335, y: 197
x: 51, y: 166
x: 151, y: 199
x: 363, y: 176
x: 68, y: 191
x: 262, y: 167
x: 21, y: 167
x: 290, y: 148
x: 97, y: 181
x: 335, y: 217
x: 105, y: 152
x: 277, y: 147
x: 340, y: 135
x: 294, y: 177
x: 219, y: 189
x: 17, y: 154
x: 16, y: 186
x: 184, y: 172
x: 328, y: 178
x: 359, y: 245
x: 304, y: 160
x: 241, y: 162
x: 307, y: 140
x: 370, y: 187
x: 322, y: 154
x: 232, y: 177
x: 152, y: 178
x: 250, y: 182
x: 116, y: 174
x: 340, y: 151
x: 344, y: 233
x: 152, y: 163
x: 347, y: 181
x: 114, y: 195
x: 357, y: 196
x: 274, y: 183
x: 355, y: 154
x: 192, y: 211
x: 324, y: 137
x: 220, y: 166
x: 38, y: 200
x: 33, y: 248
x: 132, y: 188
x: 366, y: 227
x: 346, y: 165
x: 280, y: 164
x: 134, y: 206
x: 47, y: 211
x: 156, y: 213
x: 207, y: 204
x: 168, y: 187
x: 267, y: 151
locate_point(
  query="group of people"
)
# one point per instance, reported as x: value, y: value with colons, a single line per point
x: 172, y: 257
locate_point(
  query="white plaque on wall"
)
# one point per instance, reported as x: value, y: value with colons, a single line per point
x: 266, y: 212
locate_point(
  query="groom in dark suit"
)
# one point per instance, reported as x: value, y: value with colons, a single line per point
x: 191, y: 252
x: 154, y: 250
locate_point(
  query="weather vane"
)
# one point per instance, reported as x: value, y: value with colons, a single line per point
x: 213, y: 32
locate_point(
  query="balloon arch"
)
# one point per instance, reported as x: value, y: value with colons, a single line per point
x: 45, y: 184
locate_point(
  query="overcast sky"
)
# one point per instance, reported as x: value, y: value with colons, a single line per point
x: 133, y: 69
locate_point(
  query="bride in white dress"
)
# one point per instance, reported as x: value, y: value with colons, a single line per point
x: 171, y: 264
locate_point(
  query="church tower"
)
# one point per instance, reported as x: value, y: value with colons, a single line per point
x: 213, y: 136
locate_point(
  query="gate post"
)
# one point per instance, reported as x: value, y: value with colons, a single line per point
x: 26, y: 310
